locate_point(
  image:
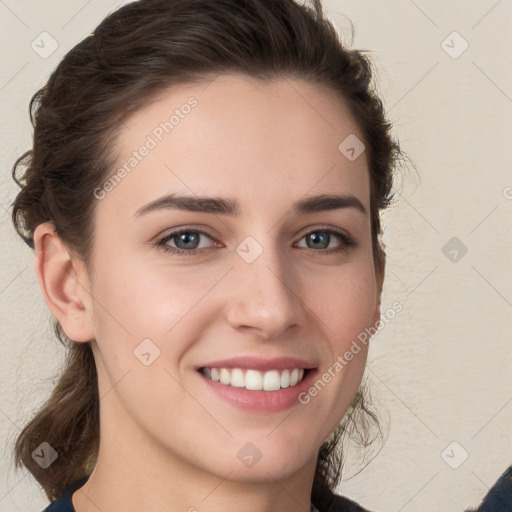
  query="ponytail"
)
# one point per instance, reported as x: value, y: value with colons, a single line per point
x: 68, y: 422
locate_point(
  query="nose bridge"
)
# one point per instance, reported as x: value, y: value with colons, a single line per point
x: 263, y: 295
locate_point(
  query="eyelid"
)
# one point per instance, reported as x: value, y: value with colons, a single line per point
x: 162, y: 240
x: 323, y: 227
x: 170, y: 232
x: 347, y: 240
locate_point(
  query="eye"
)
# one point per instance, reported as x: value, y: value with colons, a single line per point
x: 321, y: 239
x: 187, y: 241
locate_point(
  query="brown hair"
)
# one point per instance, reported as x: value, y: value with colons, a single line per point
x: 135, y: 53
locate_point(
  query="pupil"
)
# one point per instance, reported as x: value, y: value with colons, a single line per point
x: 316, y: 237
x: 186, y: 237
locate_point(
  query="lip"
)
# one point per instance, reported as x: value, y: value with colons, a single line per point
x: 257, y: 363
x: 259, y: 401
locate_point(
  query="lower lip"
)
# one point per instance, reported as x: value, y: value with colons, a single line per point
x: 260, y: 401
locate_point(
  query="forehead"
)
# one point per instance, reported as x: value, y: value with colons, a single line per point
x: 270, y: 142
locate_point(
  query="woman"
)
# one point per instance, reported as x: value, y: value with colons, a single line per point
x: 203, y: 197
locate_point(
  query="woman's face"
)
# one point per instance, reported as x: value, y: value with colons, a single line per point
x: 263, y: 290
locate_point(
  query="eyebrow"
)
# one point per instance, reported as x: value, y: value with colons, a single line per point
x: 224, y: 206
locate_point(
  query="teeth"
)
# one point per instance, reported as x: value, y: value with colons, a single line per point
x: 255, y: 380
x: 285, y: 378
x: 271, y: 381
x: 225, y: 376
x: 237, y: 378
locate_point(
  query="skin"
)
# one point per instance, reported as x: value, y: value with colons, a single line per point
x: 167, y: 442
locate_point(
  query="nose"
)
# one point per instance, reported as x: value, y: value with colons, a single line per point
x: 264, y: 296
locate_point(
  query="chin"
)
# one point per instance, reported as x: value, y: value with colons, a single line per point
x: 263, y: 460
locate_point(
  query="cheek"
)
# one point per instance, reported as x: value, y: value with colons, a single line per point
x: 136, y: 301
x: 345, y: 305
x: 345, y: 311
x: 345, y: 302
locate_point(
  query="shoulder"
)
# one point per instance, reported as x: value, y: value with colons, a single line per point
x: 499, y: 498
x: 341, y: 504
x: 334, y: 503
x: 63, y: 503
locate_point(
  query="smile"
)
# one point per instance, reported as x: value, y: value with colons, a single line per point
x: 254, y: 380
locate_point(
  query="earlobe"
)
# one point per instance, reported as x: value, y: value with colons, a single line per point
x: 380, y: 282
x: 64, y: 283
x: 376, y: 314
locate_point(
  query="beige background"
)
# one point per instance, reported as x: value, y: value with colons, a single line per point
x: 441, y: 370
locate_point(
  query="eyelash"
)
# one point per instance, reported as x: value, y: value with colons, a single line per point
x: 346, y: 241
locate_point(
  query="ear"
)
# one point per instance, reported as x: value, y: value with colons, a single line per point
x: 64, y: 282
x: 379, y: 276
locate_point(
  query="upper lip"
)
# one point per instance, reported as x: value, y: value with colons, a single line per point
x: 258, y: 363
